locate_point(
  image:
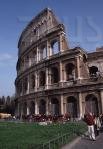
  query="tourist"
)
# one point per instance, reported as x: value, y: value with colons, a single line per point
x: 89, y: 119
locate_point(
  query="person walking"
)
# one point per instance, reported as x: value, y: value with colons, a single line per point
x: 89, y: 119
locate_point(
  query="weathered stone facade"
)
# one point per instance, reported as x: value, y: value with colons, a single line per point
x: 52, y: 78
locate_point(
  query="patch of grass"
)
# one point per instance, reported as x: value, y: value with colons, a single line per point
x: 26, y: 136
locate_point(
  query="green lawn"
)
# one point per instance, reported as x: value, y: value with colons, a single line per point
x: 26, y: 135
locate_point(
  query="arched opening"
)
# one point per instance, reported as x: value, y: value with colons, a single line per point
x: 42, y: 78
x: 32, y: 107
x: 25, y: 108
x: 70, y: 71
x: 72, y: 106
x: 32, y: 81
x: 19, y: 87
x: 91, y: 104
x: 54, y: 75
x: 93, y: 71
x: 25, y: 85
x: 43, y: 52
x: 42, y: 107
x: 54, y: 106
x: 55, y: 47
x: 33, y: 57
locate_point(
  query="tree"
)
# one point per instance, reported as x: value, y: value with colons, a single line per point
x: 2, y: 104
x: 3, y: 100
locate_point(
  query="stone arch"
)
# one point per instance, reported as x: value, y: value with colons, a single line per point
x: 55, y: 106
x: 19, y: 87
x: 42, y: 78
x: 25, y: 85
x: 43, y: 52
x: 25, y: 108
x: 32, y: 107
x: 33, y: 57
x: 55, y: 46
x: 72, y: 106
x: 32, y: 81
x: 42, y: 106
x: 91, y: 104
x: 93, y: 70
x: 55, y: 75
x: 70, y: 71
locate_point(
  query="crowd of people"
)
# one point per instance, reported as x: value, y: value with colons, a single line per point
x: 45, y: 118
x: 94, y: 124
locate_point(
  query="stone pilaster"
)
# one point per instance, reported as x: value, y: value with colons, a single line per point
x: 60, y: 43
x: 47, y: 78
x: 62, y: 108
x: 47, y: 106
x: 28, y: 110
x: 37, y: 51
x: 28, y: 85
x: 21, y: 111
x: 48, y: 49
x: 36, y: 81
x: 61, y: 72
x: 80, y: 106
x: 101, y: 96
x: 36, y: 107
x: 78, y: 72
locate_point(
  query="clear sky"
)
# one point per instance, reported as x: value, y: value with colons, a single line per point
x: 83, y: 20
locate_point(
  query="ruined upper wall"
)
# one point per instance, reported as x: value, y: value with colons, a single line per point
x: 42, y: 23
x: 96, y: 59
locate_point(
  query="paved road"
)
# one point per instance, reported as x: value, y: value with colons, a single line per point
x: 85, y: 143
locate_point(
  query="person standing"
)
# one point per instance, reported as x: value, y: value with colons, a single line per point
x: 97, y: 125
x: 89, y: 119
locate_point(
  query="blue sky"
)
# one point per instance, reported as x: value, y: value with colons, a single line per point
x: 82, y: 18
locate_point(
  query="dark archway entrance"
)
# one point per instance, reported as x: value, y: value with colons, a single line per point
x: 32, y: 107
x: 25, y: 108
x: 91, y: 104
x: 70, y: 71
x: 93, y: 71
x: 72, y: 106
x: 42, y: 107
x: 54, y: 75
x: 55, y: 106
x: 42, y: 78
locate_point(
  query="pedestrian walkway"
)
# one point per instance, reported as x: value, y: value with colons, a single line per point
x: 85, y: 143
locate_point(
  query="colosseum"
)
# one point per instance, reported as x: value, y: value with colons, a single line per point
x: 52, y: 78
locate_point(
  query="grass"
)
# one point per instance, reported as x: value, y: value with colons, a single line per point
x: 25, y: 135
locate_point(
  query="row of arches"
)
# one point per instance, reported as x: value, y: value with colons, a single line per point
x: 91, y: 105
x: 39, y: 55
x: 53, y: 75
x: 35, y: 31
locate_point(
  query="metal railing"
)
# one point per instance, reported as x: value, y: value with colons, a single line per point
x: 58, y: 142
